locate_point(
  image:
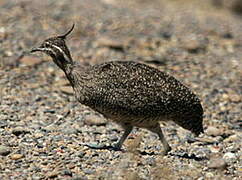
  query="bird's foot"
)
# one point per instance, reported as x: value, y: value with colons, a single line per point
x: 166, y: 151
x: 116, y: 147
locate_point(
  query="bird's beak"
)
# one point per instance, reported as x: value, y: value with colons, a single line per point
x: 35, y: 50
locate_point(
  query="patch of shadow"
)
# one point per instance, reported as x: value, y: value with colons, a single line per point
x: 187, y: 156
x: 117, y: 48
x: 157, y: 61
x: 146, y: 153
x: 102, y: 147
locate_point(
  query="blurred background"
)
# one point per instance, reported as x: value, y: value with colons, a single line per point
x: 197, y: 41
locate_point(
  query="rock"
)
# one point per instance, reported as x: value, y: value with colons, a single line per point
x: 194, y: 44
x: 4, y: 150
x: 113, y: 138
x: 232, y: 138
x: 50, y: 128
x: 229, y: 157
x: 215, y: 149
x: 217, y: 163
x: 36, y: 177
x: 209, y: 175
x: 67, y: 172
x: 88, y: 171
x: 69, y: 130
x: 52, y: 174
x: 30, y: 60
x: 62, y: 82
x: 16, y: 156
x: 206, y: 140
x: 79, y: 178
x: 96, y: 145
x: 66, y: 89
x: 81, y: 154
x: 235, y: 98
x: 3, y: 33
x: 20, y: 130
x: 213, y: 131
x: 225, y: 97
x: 95, y: 120
x: 3, y: 123
x: 114, y: 44
x: 8, y: 53
x: 38, y: 135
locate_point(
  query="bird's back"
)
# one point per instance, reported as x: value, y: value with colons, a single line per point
x: 128, y: 90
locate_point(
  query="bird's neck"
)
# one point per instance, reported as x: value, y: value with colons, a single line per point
x: 73, y: 71
x: 63, y: 63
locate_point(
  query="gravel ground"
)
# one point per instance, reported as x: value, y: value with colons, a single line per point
x: 44, y: 131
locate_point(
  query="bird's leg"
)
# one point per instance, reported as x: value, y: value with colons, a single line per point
x: 127, y: 129
x: 157, y: 129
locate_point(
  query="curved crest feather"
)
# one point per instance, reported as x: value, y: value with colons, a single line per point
x: 67, y: 33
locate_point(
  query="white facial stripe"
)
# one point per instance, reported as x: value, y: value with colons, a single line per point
x: 64, y: 54
x: 47, y: 49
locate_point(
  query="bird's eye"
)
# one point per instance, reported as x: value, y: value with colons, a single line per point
x: 47, y: 45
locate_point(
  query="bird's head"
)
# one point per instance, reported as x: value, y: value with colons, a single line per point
x: 57, y: 49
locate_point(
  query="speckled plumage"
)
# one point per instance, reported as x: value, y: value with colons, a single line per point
x: 129, y: 93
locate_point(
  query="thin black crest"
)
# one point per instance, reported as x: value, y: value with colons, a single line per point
x: 67, y: 33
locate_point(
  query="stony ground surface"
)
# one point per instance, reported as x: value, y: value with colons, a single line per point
x: 44, y: 131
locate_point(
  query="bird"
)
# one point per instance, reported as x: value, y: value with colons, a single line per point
x: 129, y: 93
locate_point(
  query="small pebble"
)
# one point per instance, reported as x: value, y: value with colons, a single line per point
x: 3, y: 123
x: 217, y: 163
x: 232, y: 138
x: 67, y: 172
x: 66, y: 89
x: 79, y: 178
x: 50, y: 128
x: 207, y: 140
x: 194, y: 45
x: 230, y: 157
x: 95, y: 120
x: 16, y: 156
x: 30, y: 60
x: 235, y: 98
x: 69, y: 130
x: 113, y: 138
x: 81, y: 154
x: 19, y: 130
x: 52, y: 174
x: 209, y: 175
x: 215, y: 149
x: 4, y: 150
x: 213, y: 131
x: 36, y: 177
x: 88, y: 171
x: 38, y: 135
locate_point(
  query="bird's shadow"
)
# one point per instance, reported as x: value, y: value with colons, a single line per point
x: 184, y: 155
x: 104, y: 147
